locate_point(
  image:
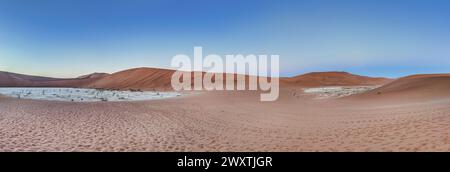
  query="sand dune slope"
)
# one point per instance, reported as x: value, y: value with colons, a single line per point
x: 12, y: 79
x: 136, y: 79
x: 8, y: 79
x: 93, y: 75
x: 415, y: 87
x: 319, y: 79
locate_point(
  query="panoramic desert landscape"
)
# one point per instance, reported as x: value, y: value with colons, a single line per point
x: 321, y: 111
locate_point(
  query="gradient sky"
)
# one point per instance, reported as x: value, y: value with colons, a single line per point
x: 67, y: 38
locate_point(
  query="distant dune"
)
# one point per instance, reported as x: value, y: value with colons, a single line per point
x: 8, y: 79
x: 414, y: 87
x: 320, y: 79
x: 12, y: 79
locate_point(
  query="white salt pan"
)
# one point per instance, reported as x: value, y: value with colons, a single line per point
x: 83, y: 95
x: 338, y: 91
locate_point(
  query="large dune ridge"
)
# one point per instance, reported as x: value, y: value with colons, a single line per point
x: 154, y: 79
x: 414, y: 87
x: 160, y: 79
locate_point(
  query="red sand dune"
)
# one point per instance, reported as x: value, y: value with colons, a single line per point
x: 319, y: 79
x: 93, y: 75
x: 8, y: 79
x: 12, y: 79
x: 160, y: 79
x: 136, y: 79
x: 141, y: 79
x: 414, y: 87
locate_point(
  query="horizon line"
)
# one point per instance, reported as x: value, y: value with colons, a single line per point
x: 162, y: 68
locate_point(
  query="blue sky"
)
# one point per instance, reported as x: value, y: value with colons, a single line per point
x: 67, y: 38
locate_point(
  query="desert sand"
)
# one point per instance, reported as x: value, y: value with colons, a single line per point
x: 382, y: 119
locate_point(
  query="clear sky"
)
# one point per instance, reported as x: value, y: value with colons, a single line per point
x: 67, y: 38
